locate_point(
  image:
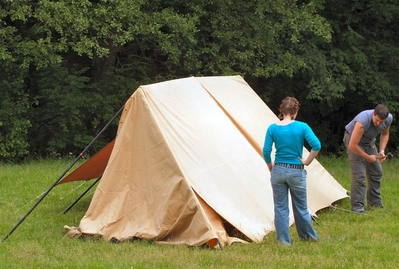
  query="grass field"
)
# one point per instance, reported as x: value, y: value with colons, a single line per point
x: 347, y: 240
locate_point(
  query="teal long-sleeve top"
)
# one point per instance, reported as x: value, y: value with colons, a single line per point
x: 289, y: 141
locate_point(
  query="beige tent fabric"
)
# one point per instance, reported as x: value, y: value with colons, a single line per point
x: 252, y: 116
x: 143, y: 192
x: 188, y: 159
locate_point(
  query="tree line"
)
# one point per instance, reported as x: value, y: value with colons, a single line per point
x: 67, y: 66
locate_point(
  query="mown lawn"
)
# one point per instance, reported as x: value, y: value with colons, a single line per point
x: 348, y: 240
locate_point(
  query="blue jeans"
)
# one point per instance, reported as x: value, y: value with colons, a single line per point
x: 291, y: 180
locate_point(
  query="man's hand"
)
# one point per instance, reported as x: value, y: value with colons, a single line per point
x: 382, y: 157
x: 371, y: 158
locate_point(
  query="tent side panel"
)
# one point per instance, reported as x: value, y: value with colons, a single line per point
x: 253, y: 116
x: 143, y: 192
x: 218, y: 162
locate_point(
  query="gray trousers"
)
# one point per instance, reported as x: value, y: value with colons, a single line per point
x: 360, y: 171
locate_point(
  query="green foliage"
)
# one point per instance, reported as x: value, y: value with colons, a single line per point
x: 14, y: 120
x: 71, y: 57
x: 365, y: 44
x: 58, y: 116
x: 355, y: 71
x: 242, y: 37
x: 13, y: 128
x: 68, y: 66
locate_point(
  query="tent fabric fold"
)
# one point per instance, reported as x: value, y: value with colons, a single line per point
x: 187, y: 161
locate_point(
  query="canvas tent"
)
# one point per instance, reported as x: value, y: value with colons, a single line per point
x: 186, y: 167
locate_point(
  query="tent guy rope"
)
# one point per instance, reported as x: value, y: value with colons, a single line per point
x: 80, y: 197
x: 345, y: 210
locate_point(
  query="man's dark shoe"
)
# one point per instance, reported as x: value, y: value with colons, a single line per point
x: 375, y: 206
x: 360, y: 212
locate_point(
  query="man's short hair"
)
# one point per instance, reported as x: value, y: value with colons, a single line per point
x: 381, y: 111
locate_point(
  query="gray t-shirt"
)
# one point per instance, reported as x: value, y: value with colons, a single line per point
x: 370, y: 130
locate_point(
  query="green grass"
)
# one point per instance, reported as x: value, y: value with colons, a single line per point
x: 347, y: 240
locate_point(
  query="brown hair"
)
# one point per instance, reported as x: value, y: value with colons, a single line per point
x: 289, y: 106
x: 381, y: 111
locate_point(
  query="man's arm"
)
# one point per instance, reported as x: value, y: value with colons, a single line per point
x: 353, y: 146
x: 384, y: 138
